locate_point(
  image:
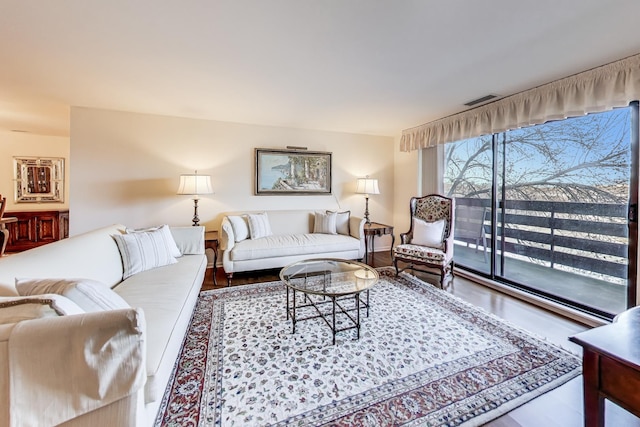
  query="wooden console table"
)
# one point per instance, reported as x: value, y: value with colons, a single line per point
x: 36, y: 228
x: 370, y: 232
x: 611, y: 366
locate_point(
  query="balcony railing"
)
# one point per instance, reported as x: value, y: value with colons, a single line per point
x: 587, y: 238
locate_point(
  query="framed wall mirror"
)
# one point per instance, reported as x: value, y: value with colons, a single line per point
x: 39, y: 179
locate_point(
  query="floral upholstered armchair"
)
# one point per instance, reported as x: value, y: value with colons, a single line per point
x: 429, y: 241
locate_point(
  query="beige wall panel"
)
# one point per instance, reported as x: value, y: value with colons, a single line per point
x: 407, y: 184
x: 126, y: 169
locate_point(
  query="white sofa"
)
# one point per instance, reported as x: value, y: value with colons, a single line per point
x: 52, y: 370
x: 292, y: 239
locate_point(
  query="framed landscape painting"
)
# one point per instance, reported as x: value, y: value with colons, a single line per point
x: 292, y: 172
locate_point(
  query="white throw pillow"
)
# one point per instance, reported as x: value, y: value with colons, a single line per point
x: 167, y: 238
x: 259, y: 226
x: 89, y: 295
x: 13, y: 310
x: 428, y: 233
x: 142, y: 251
x: 325, y: 223
x: 342, y: 222
x: 239, y: 226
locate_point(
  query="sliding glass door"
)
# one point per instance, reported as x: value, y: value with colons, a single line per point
x: 469, y: 179
x: 545, y: 208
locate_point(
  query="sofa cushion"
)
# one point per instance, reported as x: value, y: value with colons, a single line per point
x: 292, y: 244
x: 167, y: 295
x: 325, y: 222
x: 240, y: 226
x: 89, y: 295
x: 259, y: 226
x: 143, y: 251
x: 420, y: 253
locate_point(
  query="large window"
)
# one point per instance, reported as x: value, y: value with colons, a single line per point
x: 544, y: 208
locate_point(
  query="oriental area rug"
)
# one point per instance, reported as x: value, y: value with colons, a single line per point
x: 424, y: 358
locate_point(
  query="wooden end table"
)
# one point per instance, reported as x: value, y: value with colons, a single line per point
x: 372, y: 230
x: 211, y: 242
x: 611, y: 366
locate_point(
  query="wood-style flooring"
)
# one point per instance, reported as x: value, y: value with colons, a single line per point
x: 561, y: 407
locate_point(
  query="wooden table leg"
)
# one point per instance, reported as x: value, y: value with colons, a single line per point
x: 593, y: 400
x: 4, y: 237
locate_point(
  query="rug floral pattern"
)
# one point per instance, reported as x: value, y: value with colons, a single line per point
x: 424, y: 357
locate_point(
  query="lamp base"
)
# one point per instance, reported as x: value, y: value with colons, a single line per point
x: 366, y: 211
x: 196, y: 219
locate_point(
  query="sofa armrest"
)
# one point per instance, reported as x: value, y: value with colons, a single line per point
x: 227, y: 238
x: 61, y: 368
x: 356, y: 229
x: 190, y: 240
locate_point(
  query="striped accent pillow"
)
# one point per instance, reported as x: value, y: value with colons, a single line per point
x: 325, y: 223
x: 166, y: 236
x: 143, y: 251
x: 342, y: 222
x: 259, y: 226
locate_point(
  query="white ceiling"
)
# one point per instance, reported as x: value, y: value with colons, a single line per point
x: 361, y: 66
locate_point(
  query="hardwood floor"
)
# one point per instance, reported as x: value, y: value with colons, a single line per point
x: 561, y: 407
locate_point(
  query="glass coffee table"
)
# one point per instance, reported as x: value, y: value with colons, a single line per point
x: 330, y: 286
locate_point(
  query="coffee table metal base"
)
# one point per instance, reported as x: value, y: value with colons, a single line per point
x: 329, y: 317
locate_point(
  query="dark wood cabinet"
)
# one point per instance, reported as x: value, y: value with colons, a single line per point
x: 36, y: 228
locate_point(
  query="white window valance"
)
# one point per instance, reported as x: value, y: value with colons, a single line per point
x: 599, y: 89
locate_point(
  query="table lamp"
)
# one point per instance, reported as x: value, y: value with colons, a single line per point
x: 195, y: 185
x: 367, y: 186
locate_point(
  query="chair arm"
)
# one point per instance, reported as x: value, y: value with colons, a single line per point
x: 64, y: 367
x: 447, y: 246
x: 405, y: 238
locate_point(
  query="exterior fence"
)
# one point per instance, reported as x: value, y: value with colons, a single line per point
x: 586, y: 236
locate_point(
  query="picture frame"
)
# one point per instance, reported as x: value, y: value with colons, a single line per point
x: 292, y: 172
x: 38, y: 179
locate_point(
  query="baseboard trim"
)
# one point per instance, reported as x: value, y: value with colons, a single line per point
x: 562, y: 310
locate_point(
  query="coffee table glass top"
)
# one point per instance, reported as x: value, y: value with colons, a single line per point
x: 329, y: 276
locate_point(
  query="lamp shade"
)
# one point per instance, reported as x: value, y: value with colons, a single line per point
x: 194, y: 184
x: 367, y: 186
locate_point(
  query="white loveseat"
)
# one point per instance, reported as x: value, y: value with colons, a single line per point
x: 292, y: 235
x: 106, y: 368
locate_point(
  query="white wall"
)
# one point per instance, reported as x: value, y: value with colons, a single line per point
x: 126, y: 169
x: 20, y: 144
x: 407, y: 176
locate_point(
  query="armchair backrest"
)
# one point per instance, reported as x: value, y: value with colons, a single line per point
x: 434, y: 207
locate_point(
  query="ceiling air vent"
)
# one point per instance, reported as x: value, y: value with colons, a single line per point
x: 481, y: 100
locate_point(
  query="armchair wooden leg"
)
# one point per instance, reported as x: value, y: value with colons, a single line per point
x: 445, y: 269
x: 229, y: 276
